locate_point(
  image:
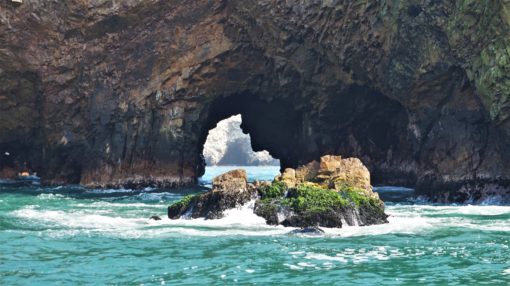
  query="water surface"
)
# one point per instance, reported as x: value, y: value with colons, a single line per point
x: 75, y: 236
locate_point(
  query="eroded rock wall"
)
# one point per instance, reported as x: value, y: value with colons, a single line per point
x: 109, y: 93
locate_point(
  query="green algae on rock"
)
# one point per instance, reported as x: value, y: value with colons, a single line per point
x: 313, y: 197
x: 230, y: 190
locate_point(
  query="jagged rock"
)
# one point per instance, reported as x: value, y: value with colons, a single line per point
x: 124, y: 92
x: 328, y: 194
x: 288, y: 177
x: 230, y: 190
x: 331, y: 172
x: 231, y: 181
x: 335, y: 173
x: 306, y: 205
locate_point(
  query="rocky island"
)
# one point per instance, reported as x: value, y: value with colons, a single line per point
x: 331, y: 193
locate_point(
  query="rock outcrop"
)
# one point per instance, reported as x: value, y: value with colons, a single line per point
x: 329, y: 193
x: 116, y: 93
x: 332, y: 172
x: 229, y: 191
x: 317, y: 200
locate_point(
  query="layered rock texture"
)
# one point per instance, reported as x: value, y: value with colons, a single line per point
x: 226, y: 144
x: 333, y: 193
x: 124, y: 92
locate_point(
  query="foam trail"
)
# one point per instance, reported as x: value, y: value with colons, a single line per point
x: 131, y: 220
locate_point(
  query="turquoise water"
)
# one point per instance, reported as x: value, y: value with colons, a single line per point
x: 73, y: 236
x: 266, y: 173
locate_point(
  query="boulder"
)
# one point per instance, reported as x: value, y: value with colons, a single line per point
x: 331, y: 172
x: 310, y: 205
x: 307, y: 231
x: 234, y: 180
x: 328, y: 193
x: 288, y: 177
x: 230, y: 190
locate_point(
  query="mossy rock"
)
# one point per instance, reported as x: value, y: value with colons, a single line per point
x: 276, y: 190
x: 178, y: 208
x: 311, y: 205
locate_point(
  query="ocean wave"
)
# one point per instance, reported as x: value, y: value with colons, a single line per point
x: 482, y: 210
x: 102, y: 204
x: 131, y: 220
x: 51, y: 196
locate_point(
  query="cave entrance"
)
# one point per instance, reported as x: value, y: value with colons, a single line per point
x: 227, y: 147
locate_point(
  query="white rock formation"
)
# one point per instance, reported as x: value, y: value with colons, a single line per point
x: 228, y: 145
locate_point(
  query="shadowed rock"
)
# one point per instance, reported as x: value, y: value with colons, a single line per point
x: 124, y: 93
x: 308, y: 231
x: 155, y: 217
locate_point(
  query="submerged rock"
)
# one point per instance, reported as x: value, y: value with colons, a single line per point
x: 155, y: 217
x: 311, y: 198
x: 308, y: 231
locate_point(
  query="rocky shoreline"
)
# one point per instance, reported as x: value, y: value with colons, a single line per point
x: 331, y: 193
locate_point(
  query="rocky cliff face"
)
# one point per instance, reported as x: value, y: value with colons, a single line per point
x: 109, y: 93
x: 226, y: 144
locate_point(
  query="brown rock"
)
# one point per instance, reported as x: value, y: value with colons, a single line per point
x: 288, y: 177
x: 337, y: 173
x: 331, y: 172
x: 230, y: 190
x: 234, y: 180
x: 307, y: 172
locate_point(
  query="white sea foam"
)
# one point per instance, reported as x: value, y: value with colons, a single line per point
x: 131, y: 220
x: 99, y: 205
x: 463, y: 210
x: 354, y: 256
x: 51, y: 197
x: 240, y: 221
x: 77, y: 219
x: 293, y: 267
x: 506, y: 272
x: 324, y: 257
x: 109, y: 191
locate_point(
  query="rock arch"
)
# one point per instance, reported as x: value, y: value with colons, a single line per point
x: 126, y: 92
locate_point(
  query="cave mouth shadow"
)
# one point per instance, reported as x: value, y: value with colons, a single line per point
x: 269, y: 124
x: 355, y: 122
